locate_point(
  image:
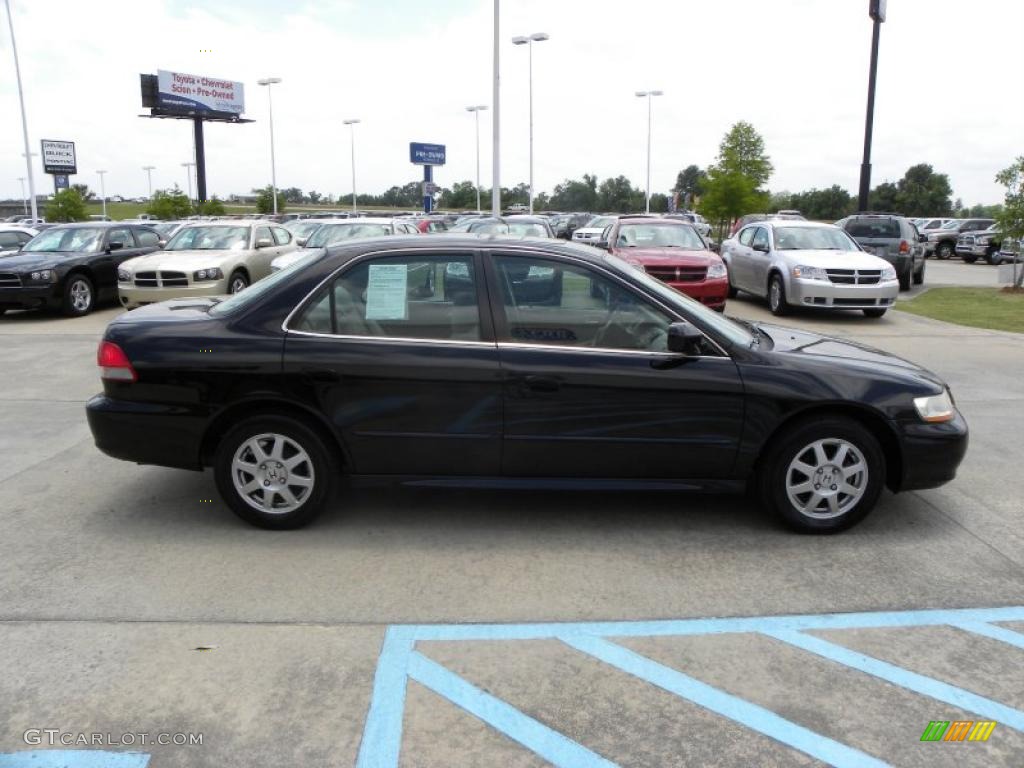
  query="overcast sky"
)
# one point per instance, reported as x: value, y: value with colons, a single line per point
x: 950, y: 89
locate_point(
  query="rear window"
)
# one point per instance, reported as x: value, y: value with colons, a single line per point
x: 873, y: 228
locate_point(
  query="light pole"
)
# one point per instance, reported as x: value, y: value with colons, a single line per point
x: 648, y: 95
x: 149, y: 174
x: 528, y: 41
x: 103, y: 193
x: 876, y: 10
x: 476, y: 110
x: 188, y: 176
x: 24, y: 197
x: 351, y: 123
x: 269, y: 81
x: 495, y: 122
x: 24, y: 119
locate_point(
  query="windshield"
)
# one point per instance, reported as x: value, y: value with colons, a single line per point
x: 210, y: 239
x: 659, y: 236
x: 730, y: 329
x: 600, y: 222
x: 77, y: 239
x: 527, y: 229
x: 951, y: 224
x: 813, y: 239
x: 328, y: 234
x: 303, y: 228
x: 244, y: 298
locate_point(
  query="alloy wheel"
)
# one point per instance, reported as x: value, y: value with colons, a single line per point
x: 827, y: 478
x: 81, y: 295
x: 272, y: 473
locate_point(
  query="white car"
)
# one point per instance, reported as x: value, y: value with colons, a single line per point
x: 591, y: 233
x: 802, y: 263
x: 334, y: 231
x: 14, y: 236
x: 204, y: 259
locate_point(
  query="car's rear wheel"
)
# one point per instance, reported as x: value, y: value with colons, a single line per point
x: 824, y: 475
x: 875, y: 312
x: 777, y: 296
x: 944, y: 251
x: 79, y: 296
x: 238, y: 282
x: 274, y: 472
x: 905, y: 278
x: 919, y: 275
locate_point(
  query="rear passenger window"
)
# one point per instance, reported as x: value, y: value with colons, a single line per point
x: 282, y: 235
x: 423, y: 297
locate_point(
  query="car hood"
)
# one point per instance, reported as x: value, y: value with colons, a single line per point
x: 184, y: 261
x: 790, y: 341
x: 588, y: 231
x: 17, y: 260
x: 834, y: 259
x: 673, y: 256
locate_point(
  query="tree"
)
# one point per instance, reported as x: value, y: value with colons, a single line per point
x: 83, y: 191
x: 822, y: 204
x: 729, y: 195
x: 923, y: 192
x: 576, y: 195
x: 885, y: 197
x: 690, y: 184
x: 66, y: 205
x: 314, y: 196
x: 742, y: 152
x: 212, y: 207
x: 1011, y: 217
x: 169, y: 204
x: 618, y: 195
x: 778, y: 201
x: 659, y: 202
x: 265, y: 200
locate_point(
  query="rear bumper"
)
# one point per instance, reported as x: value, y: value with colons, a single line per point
x: 932, y: 453
x: 145, y: 433
x: 819, y: 293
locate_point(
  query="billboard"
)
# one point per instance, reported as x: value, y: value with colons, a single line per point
x: 59, y: 157
x: 197, y: 93
x: 426, y: 154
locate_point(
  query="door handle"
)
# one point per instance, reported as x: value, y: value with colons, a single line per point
x: 542, y: 383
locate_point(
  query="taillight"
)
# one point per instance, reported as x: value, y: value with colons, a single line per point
x: 904, y: 246
x: 114, y: 363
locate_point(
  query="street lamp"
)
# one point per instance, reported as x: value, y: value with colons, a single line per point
x: 876, y: 10
x: 103, y: 193
x: 269, y: 81
x: 529, y: 40
x: 24, y: 119
x: 351, y: 123
x: 24, y: 197
x: 476, y: 110
x: 188, y: 175
x: 648, y: 95
x: 149, y: 174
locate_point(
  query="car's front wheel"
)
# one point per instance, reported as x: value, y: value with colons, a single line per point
x: 79, y: 296
x: 238, y: 282
x: 274, y: 472
x: 993, y: 257
x: 944, y: 251
x: 824, y: 475
x: 777, y: 296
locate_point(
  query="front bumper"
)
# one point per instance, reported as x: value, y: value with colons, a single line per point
x: 131, y: 296
x: 30, y: 297
x: 819, y: 293
x: 172, y: 438
x: 972, y: 250
x: 709, y: 292
x: 931, y: 452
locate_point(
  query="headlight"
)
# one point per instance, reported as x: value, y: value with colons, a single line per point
x: 42, y: 276
x: 888, y: 273
x: 207, y: 274
x: 810, y: 273
x: 984, y: 240
x: 936, y: 408
x: 124, y: 276
x: 716, y: 270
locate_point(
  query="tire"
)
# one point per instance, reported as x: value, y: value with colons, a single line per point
x: 993, y: 257
x: 79, y: 296
x: 777, y: 296
x: 875, y: 312
x: 919, y: 275
x: 237, y: 282
x: 789, y: 490
x: 732, y: 291
x: 906, y: 277
x: 970, y: 259
x: 281, y: 439
x: 944, y: 251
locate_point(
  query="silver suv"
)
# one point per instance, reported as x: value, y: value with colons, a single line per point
x: 890, y: 237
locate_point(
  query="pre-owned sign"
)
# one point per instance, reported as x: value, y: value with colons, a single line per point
x: 426, y: 154
x: 198, y: 93
x: 59, y: 157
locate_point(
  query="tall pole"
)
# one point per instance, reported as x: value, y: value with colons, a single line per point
x: 877, y: 13
x: 24, y: 119
x: 103, y: 192
x: 24, y: 197
x: 269, y: 81
x: 529, y: 40
x: 495, y: 124
x: 188, y: 176
x: 648, y: 95
x: 476, y: 110
x: 149, y: 176
x: 351, y: 123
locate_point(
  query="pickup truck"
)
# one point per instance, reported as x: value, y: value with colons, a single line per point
x: 986, y: 244
x: 942, y: 242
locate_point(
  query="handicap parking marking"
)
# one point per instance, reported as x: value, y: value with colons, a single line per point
x: 72, y: 758
x: 399, y: 662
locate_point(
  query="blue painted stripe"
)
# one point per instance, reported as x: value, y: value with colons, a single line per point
x: 904, y: 678
x: 876, y: 620
x: 996, y: 633
x: 73, y: 758
x: 532, y: 734
x: 382, y: 734
x: 751, y: 715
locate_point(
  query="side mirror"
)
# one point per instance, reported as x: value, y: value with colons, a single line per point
x: 161, y: 243
x: 922, y: 238
x: 683, y: 338
x: 264, y: 242
x: 301, y: 241
x: 115, y: 245
x: 760, y: 247
x: 603, y: 245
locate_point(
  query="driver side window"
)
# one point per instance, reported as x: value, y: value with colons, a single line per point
x: 745, y: 236
x: 760, y: 238
x: 553, y: 303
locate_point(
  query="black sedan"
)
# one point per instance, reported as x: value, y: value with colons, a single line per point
x: 520, y: 226
x: 71, y: 267
x: 509, y: 363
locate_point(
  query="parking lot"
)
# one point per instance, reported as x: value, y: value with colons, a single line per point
x: 599, y: 636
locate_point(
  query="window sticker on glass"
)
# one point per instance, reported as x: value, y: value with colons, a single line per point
x: 386, y: 292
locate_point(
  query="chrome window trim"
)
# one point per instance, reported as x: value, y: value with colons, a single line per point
x: 395, y: 339
x: 606, y: 351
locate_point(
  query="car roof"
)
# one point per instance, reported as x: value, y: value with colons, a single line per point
x: 467, y: 241
x: 794, y: 223
x: 360, y: 220
x: 661, y: 220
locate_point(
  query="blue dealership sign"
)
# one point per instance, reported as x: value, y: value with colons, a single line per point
x: 426, y: 154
